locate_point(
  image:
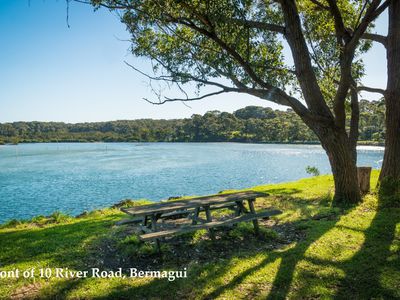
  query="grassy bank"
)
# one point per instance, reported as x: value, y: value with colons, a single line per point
x: 310, y: 251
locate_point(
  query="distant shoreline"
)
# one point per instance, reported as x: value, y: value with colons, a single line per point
x: 359, y: 143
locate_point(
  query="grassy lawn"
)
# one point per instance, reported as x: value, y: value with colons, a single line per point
x: 310, y: 251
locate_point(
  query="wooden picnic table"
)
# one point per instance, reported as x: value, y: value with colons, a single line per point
x: 169, y: 206
x: 192, y: 207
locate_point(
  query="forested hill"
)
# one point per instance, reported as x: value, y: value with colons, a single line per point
x: 249, y: 124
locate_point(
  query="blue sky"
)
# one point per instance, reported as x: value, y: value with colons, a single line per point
x: 49, y: 72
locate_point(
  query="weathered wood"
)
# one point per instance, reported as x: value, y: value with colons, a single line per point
x: 209, y: 220
x: 253, y: 211
x: 364, y: 179
x: 130, y: 221
x: 154, y: 228
x: 240, y: 208
x: 154, y: 222
x: 170, y: 206
x: 196, y: 215
x: 221, y: 206
x: 213, y: 224
x: 179, y: 213
x: 201, y: 220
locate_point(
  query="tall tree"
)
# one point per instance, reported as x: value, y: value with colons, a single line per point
x: 237, y: 46
x: 389, y: 178
x: 390, y: 173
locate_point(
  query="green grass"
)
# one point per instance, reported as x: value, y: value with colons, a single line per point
x: 311, y: 251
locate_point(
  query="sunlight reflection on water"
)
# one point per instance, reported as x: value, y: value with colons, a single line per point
x: 72, y: 177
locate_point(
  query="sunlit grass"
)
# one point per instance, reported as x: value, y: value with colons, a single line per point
x: 340, y: 253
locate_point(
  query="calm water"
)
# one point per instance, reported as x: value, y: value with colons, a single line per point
x: 42, y: 178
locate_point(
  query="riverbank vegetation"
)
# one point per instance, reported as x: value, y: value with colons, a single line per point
x: 312, y: 250
x: 249, y: 124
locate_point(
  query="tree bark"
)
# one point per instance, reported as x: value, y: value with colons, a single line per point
x: 341, y: 157
x: 391, y: 160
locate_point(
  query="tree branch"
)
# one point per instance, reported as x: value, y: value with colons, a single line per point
x: 376, y: 38
x: 302, y: 61
x: 341, y: 33
x: 371, y: 90
x: 373, y: 11
x: 257, y: 25
x: 187, y: 99
x: 355, y: 119
x: 319, y: 4
x: 275, y: 95
x: 348, y: 52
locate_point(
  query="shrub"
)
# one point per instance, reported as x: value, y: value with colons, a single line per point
x: 11, y: 223
x: 59, y: 217
x: 312, y: 170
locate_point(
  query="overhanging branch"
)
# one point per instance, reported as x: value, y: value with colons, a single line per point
x: 371, y: 90
x: 376, y: 38
x: 187, y: 99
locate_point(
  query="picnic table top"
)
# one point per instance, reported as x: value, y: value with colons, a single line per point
x: 169, y: 206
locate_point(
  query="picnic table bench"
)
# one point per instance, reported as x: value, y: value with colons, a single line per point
x: 149, y: 215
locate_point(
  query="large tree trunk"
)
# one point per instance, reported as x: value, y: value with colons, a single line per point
x: 341, y: 157
x: 330, y: 129
x: 391, y: 158
x: 391, y: 161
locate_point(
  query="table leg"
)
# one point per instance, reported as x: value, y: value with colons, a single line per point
x: 195, y: 215
x: 253, y: 211
x: 209, y: 219
x: 241, y: 208
x: 238, y: 208
x: 154, y: 218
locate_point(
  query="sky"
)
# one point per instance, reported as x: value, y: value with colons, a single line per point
x: 50, y: 71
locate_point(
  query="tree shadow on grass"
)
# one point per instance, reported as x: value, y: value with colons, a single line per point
x: 283, y: 278
x: 207, y: 281
x: 60, y: 289
x: 374, y: 271
x: 368, y: 271
x: 62, y: 244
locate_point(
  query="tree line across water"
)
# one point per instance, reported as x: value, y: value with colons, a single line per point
x: 249, y: 124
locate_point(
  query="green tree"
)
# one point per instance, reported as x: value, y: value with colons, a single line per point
x: 212, y: 126
x: 241, y: 42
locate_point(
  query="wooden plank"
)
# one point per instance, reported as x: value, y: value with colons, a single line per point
x: 213, y: 224
x: 130, y: 221
x: 221, y: 206
x: 165, y: 207
x: 176, y: 213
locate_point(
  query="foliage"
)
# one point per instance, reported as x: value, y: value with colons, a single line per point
x: 249, y: 124
x: 312, y: 170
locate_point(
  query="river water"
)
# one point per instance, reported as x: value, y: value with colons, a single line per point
x: 73, y: 177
